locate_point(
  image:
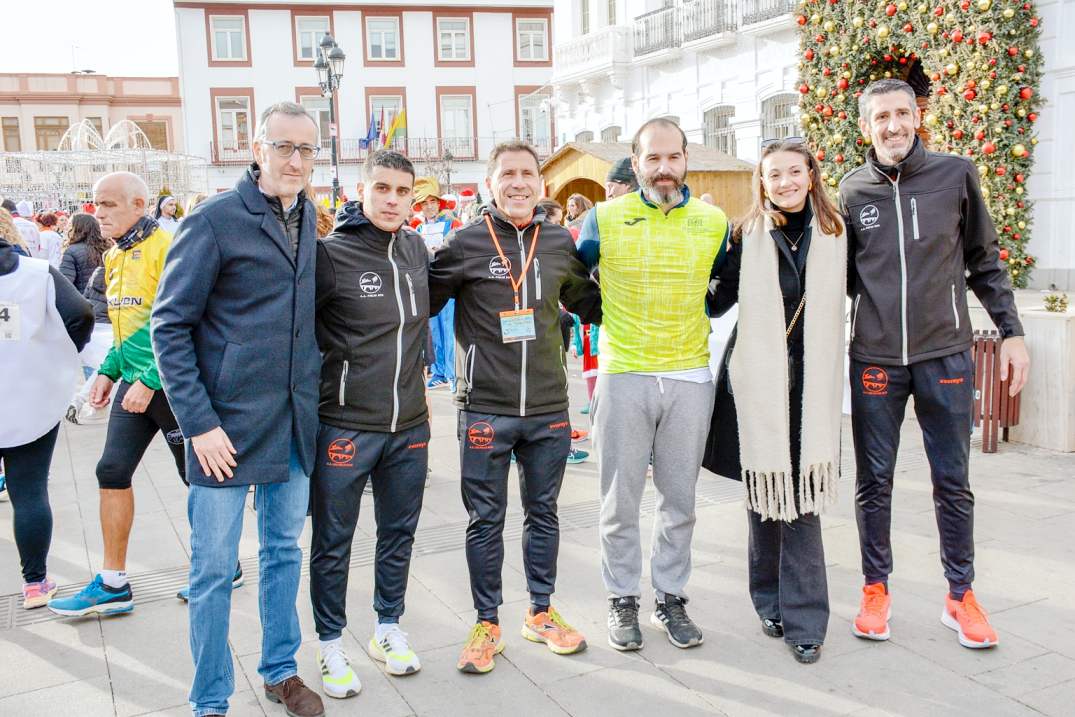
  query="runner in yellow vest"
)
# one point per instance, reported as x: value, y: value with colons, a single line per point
x: 657, y: 250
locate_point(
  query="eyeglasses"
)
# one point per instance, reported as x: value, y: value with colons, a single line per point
x: 766, y: 143
x: 285, y: 149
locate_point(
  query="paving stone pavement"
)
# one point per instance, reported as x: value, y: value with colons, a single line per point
x: 140, y: 663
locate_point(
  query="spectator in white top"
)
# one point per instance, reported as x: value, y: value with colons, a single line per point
x: 165, y: 214
x: 27, y: 229
x: 51, y: 241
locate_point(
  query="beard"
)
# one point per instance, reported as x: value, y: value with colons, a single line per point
x: 663, y: 195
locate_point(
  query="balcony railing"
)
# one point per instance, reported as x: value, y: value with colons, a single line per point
x: 657, y: 30
x: 704, y: 18
x: 594, y: 52
x: 353, y: 150
x: 762, y: 10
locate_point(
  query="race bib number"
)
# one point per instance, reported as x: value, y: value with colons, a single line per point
x: 517, y: 326
x: 9, y: 321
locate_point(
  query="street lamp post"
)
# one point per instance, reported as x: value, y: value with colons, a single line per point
x: 329, y: 66
x: 448, y: 169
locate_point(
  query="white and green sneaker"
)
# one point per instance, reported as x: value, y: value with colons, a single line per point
x: 391, y: 648
x: 338, y: 680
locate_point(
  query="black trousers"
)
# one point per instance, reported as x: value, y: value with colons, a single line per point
x: 345, y: 460
x: 129, y: 435
x: 541, y: 444
x: 26, y: 468
x: 787, y: 576
x: 943, y: 390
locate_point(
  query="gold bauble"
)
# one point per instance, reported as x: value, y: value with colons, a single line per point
x: 1021, y: 225
x: 815, y: 19
x: 932, y: 28
x: 858, y: 22
x: 984, y: 5
x: 952, y: 68
x: 829, y: 26
x: 1018, y: 190
x: 883, y: 31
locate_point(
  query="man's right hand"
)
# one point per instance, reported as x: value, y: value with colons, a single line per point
x: 100, y: 391
x: 215, y: 453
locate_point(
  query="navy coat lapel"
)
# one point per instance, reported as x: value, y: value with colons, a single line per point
x: 307, y: 236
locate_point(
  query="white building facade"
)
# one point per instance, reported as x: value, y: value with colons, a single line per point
x: 727, y: 71
x: 464, y: 75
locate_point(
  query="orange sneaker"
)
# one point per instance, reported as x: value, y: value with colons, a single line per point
x: 872, y: 621
x: 482, y: 645
x: 553, y: 630
x: 968, y: 618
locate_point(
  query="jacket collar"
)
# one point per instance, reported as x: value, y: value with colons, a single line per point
x: 141, y: 230
x: 501, y: 218
x: 258, y: 203
x: 914, y: 161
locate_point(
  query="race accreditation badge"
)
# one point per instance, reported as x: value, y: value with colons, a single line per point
x: 517, y: 326
x: 9, y: 321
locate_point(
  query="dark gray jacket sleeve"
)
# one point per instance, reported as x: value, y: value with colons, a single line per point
x: 579, y: 293
x: 445, y: 274
x: 76, y: 312
x: 986, y: 276
x: 190, y: 272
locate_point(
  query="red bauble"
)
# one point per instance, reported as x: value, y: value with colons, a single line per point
x: 842, y: 83
x: 965, y: 5
x: 908, y: 28
x: 818, y: 107
x: 891, y: 10
x: 1004, y: 255
x: 804, y: 88
x: 939, y: 11
x: 1017, y: 236
x: 839, y: 159
x: 1019, y: 178
x: 801, y: 19
x: 809, y: 54
x: 984, y: 37
x: 957, y: 36
x: 821, y: 155
x: 1033, y: 22
x: 827, y: 112
x: 979, y: 135
x: 969, y: 95
x: 1032, y: 117
x: 989, y: 148
x: 1013, y: 51
x: 827, y: 71
x: 1001, y: 171
x: 1026, y: 93
x: 958, y: 134
x: 842, y: 115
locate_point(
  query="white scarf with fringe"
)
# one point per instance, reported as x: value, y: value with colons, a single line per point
x: 758, y: 370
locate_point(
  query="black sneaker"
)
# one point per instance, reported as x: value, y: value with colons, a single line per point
x: 623, y: 630
x: 806, y: 654
x: 671, y: 616
x: 772, y: 628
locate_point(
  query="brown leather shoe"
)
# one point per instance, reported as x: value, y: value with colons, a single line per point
x: 298, y: 699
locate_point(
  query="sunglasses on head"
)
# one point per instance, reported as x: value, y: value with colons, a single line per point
x: 766, y: 143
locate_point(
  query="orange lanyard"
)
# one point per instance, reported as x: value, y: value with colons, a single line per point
x: 526, y: 267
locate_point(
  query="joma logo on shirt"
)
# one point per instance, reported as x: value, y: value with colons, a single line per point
x: 635, y: 220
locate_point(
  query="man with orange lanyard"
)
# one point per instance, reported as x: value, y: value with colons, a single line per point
x: 508, y: 272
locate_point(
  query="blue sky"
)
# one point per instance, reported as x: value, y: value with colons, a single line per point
x: 113, y: 37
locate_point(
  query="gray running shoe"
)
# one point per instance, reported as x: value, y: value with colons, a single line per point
x: 671, y: 616
x: 623, y: 630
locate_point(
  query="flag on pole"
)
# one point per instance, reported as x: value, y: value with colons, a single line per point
x: 398, y: 124
x: 381, y: 128
x: 371, y: 134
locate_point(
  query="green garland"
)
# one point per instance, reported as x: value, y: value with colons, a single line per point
x: 984, y: 64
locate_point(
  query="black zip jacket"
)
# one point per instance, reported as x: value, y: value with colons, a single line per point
x: 526, y: 378
x: 918, y: 238
x: 95, y: 294
x: 372, y: 323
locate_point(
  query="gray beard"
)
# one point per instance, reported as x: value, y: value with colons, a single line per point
x: 673, y: 196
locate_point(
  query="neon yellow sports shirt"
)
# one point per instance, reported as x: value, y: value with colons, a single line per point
x: 131, y: 279
x: 655, y: 271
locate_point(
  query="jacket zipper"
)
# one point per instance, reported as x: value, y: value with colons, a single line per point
x: 903, y: 266
x: 522, y: 289
x: 537, y: 279
x: 955, y: 311
x: 469, y: 358
x: 855, y: 315
x: 914, y: 218
x: 410, y: 287
x: 399, y: 334
x: 343, y: 381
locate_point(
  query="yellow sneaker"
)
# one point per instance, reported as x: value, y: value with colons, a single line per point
x: 553, y: 630
x: 482, y: 645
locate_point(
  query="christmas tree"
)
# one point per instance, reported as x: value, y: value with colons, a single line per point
x: 976, y: 67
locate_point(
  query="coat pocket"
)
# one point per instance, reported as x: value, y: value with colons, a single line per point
x: 226, y: 380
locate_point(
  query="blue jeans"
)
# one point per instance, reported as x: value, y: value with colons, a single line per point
x: 442, y: 329
x: 216, y: 522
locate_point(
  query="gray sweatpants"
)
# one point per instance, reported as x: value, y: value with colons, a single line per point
x: 634, y: 415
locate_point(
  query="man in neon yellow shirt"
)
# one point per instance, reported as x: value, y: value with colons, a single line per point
x: 657, y: 249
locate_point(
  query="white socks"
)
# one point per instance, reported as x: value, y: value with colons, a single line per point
x: 114, y: 578
x: 324, y: 644
x: 382, y: 629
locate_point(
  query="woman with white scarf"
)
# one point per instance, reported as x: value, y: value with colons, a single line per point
x: 776, y: 422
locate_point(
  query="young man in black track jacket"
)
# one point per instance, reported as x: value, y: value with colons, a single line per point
x: 372, y: 322
x: 508, y: 271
